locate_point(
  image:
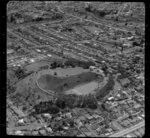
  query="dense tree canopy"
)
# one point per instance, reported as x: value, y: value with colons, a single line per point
x: 105, y: 90
x: 79, y: 101
x: 46, y: 107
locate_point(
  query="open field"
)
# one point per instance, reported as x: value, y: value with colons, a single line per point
x: 63, y: 72
x: 66, y: 79
x: 69, y: 71
x: 84, y: 89
x: 36, y: 66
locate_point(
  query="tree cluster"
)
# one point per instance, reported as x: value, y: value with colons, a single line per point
x: 10, y: 87
x: 56, y: 65
x: 79, y: 101
x: 73, y: 63
x: 13, y: 17
x: 90, y: 8
x: 43, y: 107
x: 105, y: 90
x: 57, y: 16
x: 20, y: 73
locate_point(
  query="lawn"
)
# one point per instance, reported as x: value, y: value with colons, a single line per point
x: 84, y: 89
x: 60, y: 84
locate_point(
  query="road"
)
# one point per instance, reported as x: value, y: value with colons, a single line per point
x: 15, y: 109
x: 91, y: 131
x: 117, y: 125
x: 15, y: 26
x: 92, y: 21
x: 31, y: 126
x: 49, y: 92
x: 18, y: 10
x: 128, y: 130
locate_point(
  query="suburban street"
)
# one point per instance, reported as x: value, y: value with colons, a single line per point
x: 92, y: 21
x: 75, y: 68
x: 128, y: 130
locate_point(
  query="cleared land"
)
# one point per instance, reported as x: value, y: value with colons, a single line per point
x: 67, y: 79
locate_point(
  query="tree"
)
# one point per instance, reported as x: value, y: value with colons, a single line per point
x: 91, y: 102
x: 116, y: 18
x: 53, y: 109
x: 46, y: 107
x: 88, y: 8
x: 79, y: 101
x: 102, y: 13
x: 106, y: 89
x: 71, y: 100
x: 60, y: 102
x: 11, y: 18
x: 55, y: 73
x: 20, y: 73
x: 65, y: 85
x: 39, y: 19
x: 24, y: 108
x: 53, y: 65
x: 135, y: 43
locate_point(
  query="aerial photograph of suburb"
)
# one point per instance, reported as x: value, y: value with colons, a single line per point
x: 75, y: 69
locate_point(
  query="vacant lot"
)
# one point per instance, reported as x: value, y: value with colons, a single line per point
x: 59, y: 84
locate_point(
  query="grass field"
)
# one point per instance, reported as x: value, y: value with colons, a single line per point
x: 35, y: 66
x: 69, y: 71
x: 60, y: 84
x: 84, y: 89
